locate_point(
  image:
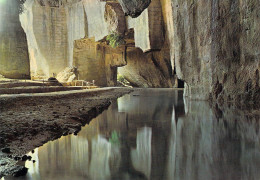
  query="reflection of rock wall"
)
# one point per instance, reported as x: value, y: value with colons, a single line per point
x: 156, y: 139
x: 14, y: 59
x: 76, y: 158
x: 206, y: 143
x: 142, y: 155
x: 101, y: 151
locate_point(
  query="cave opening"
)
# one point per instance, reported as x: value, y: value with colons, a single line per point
x: 180, y: 83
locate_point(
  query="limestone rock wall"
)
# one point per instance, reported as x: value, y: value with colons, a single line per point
x: 76, y: 23
x: 214, y: 46
x: 97, y: 61
x: 167, y: 11
x: 115, y: 18
x: 149, y: 64
x: 152, y: 68
x: 55, y: 30
x: 14, y: 59
x: 96, y: 23
x: 51, y: 30
x: 217, y: 49
x: 47, y: 35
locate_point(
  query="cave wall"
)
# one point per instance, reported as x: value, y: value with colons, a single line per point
x: 97, y: 61
x: 96, y: 25
x: 217, y: 49
x: 214, y: 47
x: 149, y: 63
x: 14, y: 59
x: 76, y: 23
x: 51, y: 30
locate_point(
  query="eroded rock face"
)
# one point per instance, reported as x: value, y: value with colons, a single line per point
x: 134, y: 8
x: 115, y: 18
x: 148, y: 69
x: 216, y: 49
x: 51, y: 32
x: 57, y: 33
x: 14, y: 59
x: 97, y: 61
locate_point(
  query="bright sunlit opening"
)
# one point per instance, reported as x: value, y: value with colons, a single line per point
x: 2, y: 1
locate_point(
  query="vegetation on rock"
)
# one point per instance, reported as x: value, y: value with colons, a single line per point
x: 121, y: 79
x: 115, y: 40
x: 114, y: 138
x: 21, y: 7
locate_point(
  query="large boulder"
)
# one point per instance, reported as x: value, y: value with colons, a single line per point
x: 67, y: 75
x: 151, y: 69
x: 134, y: 8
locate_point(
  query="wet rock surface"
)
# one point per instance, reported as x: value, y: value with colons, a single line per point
x: 29, y: 122
x: 8, y: 166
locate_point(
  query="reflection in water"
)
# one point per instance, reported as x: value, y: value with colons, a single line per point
x: 155, y: 136
x: 172, y: 148
x: 223, y: 145
x: 141, y: 156
x: 101, y: 150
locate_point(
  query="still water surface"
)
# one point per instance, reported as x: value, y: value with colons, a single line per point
x: 154, y: 134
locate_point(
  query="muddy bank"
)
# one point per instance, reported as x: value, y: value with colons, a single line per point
x: 28, y: 122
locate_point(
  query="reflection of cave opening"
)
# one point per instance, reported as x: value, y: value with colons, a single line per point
x: 122, y: 81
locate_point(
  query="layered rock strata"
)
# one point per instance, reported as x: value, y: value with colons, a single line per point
x: 97, y: 61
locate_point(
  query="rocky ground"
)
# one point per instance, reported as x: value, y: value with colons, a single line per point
x: 28, y: 121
